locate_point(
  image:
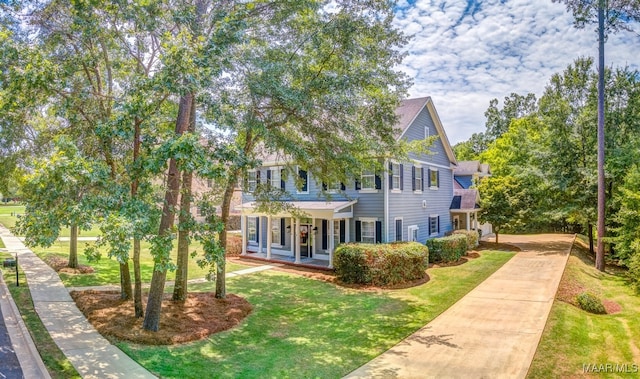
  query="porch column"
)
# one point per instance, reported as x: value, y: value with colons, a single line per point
x: 292, y: 230
x: 243, y: 228
x: 313, y: 237
x: 269, y: 236
x: 347, y: 234
x: 468, y: 220
x: 475, y: 220
x: 331, y: 239
x: 260, y: 230
x: 297, y: 244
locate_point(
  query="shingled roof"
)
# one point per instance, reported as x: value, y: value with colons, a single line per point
x: 465, y: 199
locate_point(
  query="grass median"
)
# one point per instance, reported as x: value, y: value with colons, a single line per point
x: 576, y: 343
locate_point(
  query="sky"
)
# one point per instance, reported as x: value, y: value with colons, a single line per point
x: 466, y: 52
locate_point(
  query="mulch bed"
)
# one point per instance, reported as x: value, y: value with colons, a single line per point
x: 194, y: 319
x: 61, y: 265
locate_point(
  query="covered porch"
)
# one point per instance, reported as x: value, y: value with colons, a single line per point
x: 304, y: 233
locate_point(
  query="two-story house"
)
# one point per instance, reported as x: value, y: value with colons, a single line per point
x: 410, y: 201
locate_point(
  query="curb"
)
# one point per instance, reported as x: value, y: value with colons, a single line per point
x: 28, y: 356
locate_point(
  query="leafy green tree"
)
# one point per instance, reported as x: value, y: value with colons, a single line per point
x: 514, y: 107
x: 610, y: 15
x: 502, y: 203
x: 57, y: 195
x: 317, y: 88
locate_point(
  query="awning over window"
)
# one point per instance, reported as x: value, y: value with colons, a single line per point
x: 312, y: 209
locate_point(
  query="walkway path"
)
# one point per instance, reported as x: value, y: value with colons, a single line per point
x: 90, y: 353
x: 492, y: 332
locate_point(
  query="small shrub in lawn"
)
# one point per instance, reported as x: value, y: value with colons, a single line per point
x: 472, y: 238
x: 234, y: 245
x: 590, y: 303
x: 447, y: 249
x: 381, y: 264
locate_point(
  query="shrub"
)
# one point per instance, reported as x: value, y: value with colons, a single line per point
x: 472, y: 238
x: 381, y: 264
x: 234, y: 245
x: 590, y: 303
x: 447, y: 249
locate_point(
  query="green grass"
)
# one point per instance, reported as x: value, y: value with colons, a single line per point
x: 8, y: 219
x: 573, y: 337
x: 305, y: 328
x: 56, y: 362
x: 107, y: 271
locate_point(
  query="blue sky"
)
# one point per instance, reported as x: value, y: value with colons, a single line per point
x: 465, y: 53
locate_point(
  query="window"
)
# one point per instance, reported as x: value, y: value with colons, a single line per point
x: 398, y: 229
x: 253, y: 178
x: 368, y: 231
x: 434, y: 178
x: 418, y: 174
x: 275, y: 230
x: 252, y: 231
x: 336, y: 233
x: 209, y: 183
x: 395, y: 176
x: 334, y: 187
x: 274, y: 178
x: 426, y: 132
x: 434, y: 225
x: 304, y: 185
x: 368, y: 180
x: 413, y: 232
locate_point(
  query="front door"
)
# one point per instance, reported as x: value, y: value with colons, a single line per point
x: 305, y: 241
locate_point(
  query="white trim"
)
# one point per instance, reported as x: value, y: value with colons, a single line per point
x: 385, y: 187
x: 410, y: 229
x: 368, y: 219
x: 416, y: 162
x: 368, y: 191
x: 396, y: 191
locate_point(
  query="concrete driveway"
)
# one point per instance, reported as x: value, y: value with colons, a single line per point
x: 492, y: 332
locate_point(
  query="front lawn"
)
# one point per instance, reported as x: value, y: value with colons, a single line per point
x: 574, y: 338
x: 107, y: 271
x: 307, y: 328
x: 8, y: 218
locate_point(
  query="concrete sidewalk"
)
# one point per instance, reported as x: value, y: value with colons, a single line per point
x: 492, y: 332
x: 90, y: 353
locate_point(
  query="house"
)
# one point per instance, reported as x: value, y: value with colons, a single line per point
x: 410, y: 201
x: 466, y: 198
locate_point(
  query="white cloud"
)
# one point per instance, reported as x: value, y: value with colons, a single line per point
x: 463, y: 54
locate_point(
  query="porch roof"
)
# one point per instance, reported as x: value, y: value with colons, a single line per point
x: 315, y: 209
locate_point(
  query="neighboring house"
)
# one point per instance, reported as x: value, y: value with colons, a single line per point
x: 466, y: 198
x: 408, y: 202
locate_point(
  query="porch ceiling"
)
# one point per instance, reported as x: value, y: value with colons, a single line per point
x: 313, y: 209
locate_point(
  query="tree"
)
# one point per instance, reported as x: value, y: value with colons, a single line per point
x: 610, y: 15
x: 514, y: 107
x: 502, y: 203
x: 317, y: 88
x: 57, y: 195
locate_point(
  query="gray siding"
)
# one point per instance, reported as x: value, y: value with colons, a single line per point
x: 416, y: 132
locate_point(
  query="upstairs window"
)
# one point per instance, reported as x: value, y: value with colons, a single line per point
x: 395, y: 176
x: 434, y: 178
x: 368, y: 180
x: 418, y: 178
x: 274, y: 178
x: 302, y: 174
x: 253, y: 178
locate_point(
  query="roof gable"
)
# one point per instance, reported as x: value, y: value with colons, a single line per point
x: 409, y: 110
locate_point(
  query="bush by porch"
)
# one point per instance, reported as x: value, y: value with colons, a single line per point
x: 381, y: 264
x: 447, y: 249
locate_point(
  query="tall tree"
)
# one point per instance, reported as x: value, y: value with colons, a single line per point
x: 317, y: 87
x: 610, y: 16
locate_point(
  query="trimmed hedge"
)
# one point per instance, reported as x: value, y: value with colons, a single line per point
x: 472, y: 238
x: 590, y: 303
x: 447, y: 249
x: 381, y: 264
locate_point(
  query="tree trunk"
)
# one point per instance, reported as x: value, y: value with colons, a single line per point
x: 601, y: 184
x: 221, y: 283
x: 182, y: 260
x: 591, y: 238
x: 154, y: 303
x: 73, y: 247
x: 137, y: 291
x: 125, y: 282
x: 496, y: 236
x: 137, y: 294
